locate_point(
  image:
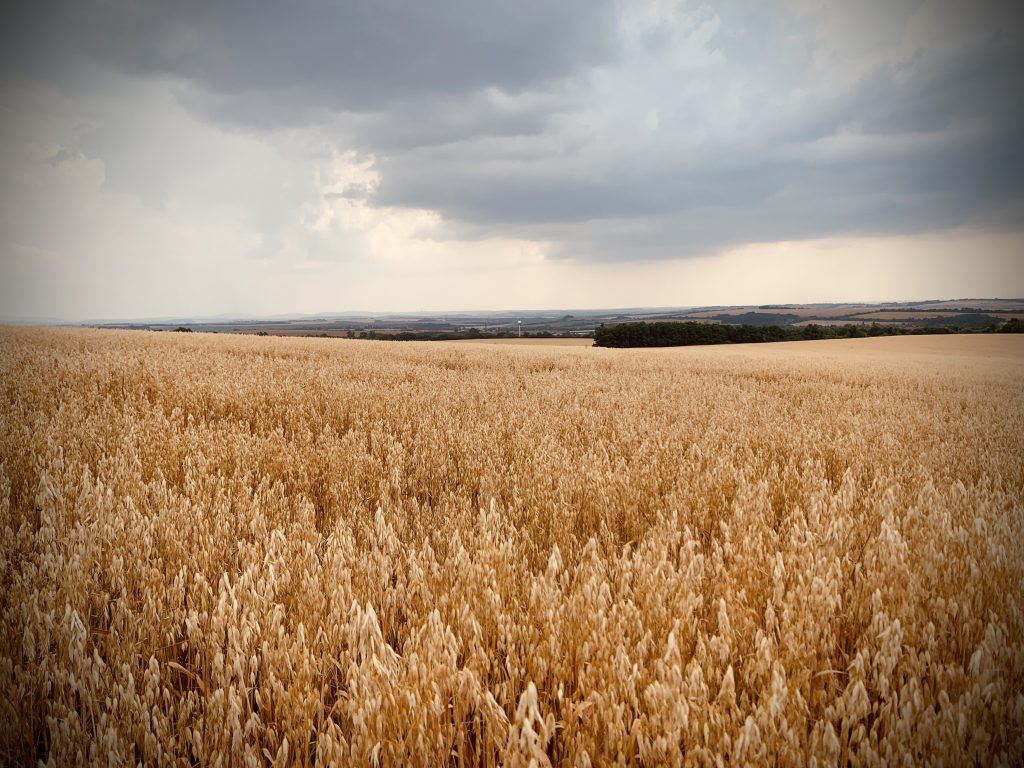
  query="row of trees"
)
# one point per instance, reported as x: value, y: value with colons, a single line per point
x: 682, y: 334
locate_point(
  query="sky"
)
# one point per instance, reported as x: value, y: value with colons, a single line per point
x: 261, y: 157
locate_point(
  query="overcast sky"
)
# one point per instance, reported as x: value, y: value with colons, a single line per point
x: 184, y: 158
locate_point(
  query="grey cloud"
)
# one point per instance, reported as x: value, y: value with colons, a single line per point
x: 350, y: 192
x: 417, y: 120
x: 527, y: 118
x: 354, y: 56
x: 425, y: 122
x: 934, y: 145
x: 560, y: 191
x: 62, y: 156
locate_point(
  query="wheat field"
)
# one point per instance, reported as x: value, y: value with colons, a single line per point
x: 224, y: 550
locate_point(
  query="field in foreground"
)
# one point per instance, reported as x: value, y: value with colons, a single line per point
x: 241, y: 550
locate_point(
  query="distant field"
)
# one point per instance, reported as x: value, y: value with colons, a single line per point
x: 534, y: 321
x: 844, y: 321
x: 239, y: 550
x: 983, y: 304
x: 1000, y: 353
x: 948, y: 348
x: 841, y: 311
x: 556, y: 342
x: 924, y: 315
x: 904, y: 315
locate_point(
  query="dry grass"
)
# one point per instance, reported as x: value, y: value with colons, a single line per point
x: 237, y: 550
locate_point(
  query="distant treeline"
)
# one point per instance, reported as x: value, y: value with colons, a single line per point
x: 683, y: 334
x: 469, y: 333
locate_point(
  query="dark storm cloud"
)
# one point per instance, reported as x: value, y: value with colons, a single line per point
x: 352, y: 56
x: 615, y: 130
x: 911, y: 147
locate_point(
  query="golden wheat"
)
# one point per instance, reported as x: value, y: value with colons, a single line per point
x: 240, y: 551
